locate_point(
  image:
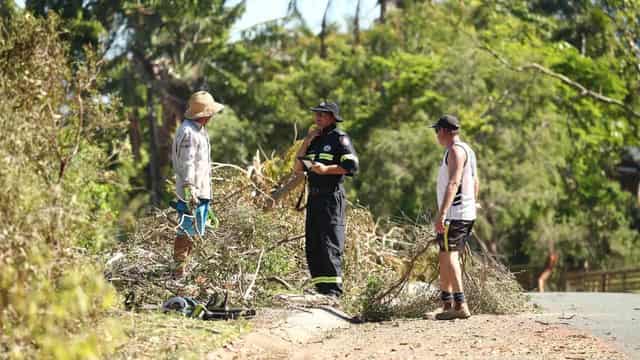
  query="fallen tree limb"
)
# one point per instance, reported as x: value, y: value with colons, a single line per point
x: 485, y: 250
x: 291, y: 182
x: 407, y: 273
x: 217, y: 165
x: 280, y: 281
x: 255, y: 276
x: 272, y: 247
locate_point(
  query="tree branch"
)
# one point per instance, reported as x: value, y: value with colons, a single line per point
x: 247, y: 294
x: 564, y: 79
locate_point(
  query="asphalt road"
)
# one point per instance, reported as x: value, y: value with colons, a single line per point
x: 611, y: 316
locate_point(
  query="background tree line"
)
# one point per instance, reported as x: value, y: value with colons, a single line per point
x: 546, y: 91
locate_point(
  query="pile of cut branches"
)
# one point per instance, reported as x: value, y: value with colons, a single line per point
x: 257, y: 251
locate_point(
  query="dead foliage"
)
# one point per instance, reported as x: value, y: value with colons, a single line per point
x: 257, y: 251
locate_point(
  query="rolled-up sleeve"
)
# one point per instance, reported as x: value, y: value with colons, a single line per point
x: 348, y: 158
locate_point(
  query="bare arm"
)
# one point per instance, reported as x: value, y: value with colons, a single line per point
x: 298, y: 168
x: 455, y: 159
x: 322, y: 169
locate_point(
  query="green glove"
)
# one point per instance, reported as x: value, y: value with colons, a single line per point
x: 213, y: 219
x: 190, y: 198
x: 198, y: 311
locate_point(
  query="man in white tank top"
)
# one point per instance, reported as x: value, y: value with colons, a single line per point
x: 457, y: 189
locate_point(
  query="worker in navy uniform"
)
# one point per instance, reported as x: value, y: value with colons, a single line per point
x: 332, y: 158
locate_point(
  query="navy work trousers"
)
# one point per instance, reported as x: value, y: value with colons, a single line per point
x: 324, y: 239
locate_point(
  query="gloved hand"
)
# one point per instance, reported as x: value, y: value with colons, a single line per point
x: 191, y: 198
x: 213, y: 219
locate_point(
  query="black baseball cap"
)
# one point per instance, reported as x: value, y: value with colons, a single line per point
x: 329, y: 107
x: 447, y: 122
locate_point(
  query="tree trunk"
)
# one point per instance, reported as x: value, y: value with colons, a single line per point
x: 135, y: 134
x: 383, y: 10
x: 172, y: 112
x: 154, y: 173
x: 356, y: 27
x: 323, y: 32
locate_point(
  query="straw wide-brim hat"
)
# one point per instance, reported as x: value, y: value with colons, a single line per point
x: 201, y: 104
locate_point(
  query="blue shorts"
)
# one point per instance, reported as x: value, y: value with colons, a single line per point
x: 185, y: 220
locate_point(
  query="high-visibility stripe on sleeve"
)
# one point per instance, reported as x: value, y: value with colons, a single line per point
x: 348, y: 157
x: 325, y: 156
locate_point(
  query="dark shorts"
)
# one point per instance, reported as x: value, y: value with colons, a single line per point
x: 455, y: 235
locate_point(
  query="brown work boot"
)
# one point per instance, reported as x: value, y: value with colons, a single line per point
x: 459, y: 311
x: 181, y: 250
x: 446, y: 306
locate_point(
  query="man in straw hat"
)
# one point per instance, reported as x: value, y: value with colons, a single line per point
x: 191, y: 157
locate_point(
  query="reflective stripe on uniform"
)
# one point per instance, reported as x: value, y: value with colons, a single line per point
x: 348, y: 157
x: 310, y: 156
x: 326, y: 280
x: 325, y: 156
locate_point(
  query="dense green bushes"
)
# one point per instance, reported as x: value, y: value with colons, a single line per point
x: 58, y: 200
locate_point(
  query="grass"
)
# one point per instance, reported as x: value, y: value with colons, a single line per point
x: 154, y: 335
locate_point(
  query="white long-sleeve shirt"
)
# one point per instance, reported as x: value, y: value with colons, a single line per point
x: 191, y: 157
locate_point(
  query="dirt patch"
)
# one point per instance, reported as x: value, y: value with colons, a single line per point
x: 480, y: 337
x: 280, y: 333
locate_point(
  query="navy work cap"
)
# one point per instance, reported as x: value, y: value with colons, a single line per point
x: 329, y: 107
